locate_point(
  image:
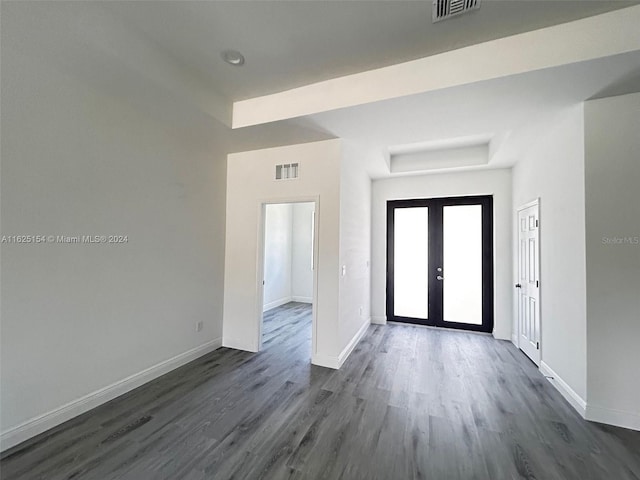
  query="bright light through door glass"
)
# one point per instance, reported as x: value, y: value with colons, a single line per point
x: 462, y: 236
x: 410, y: 262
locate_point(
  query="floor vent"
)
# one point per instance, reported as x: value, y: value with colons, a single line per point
x: 287, y: 171
x: 443, y: 9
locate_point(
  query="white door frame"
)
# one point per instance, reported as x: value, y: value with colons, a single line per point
x: 533, y: 203
x: 260, y: 265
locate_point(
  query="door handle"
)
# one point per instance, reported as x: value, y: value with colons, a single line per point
x: 440, y: 277
x: 518, y: 285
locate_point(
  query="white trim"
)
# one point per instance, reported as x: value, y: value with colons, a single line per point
x: 514, y: 340
x: 296, y: 298
x: 330, y: 361
x: 262, y: 204
x: 354, y: 341
x: 326, y: 361
x: 499, y: 337
x: 592, y: 413
x: 532, y: 203
x: 277, y: 303
x: 46, y: 421
x: 239, y: 345
x: 379, y: 320
x: 610, y: 416
x: 563, y: 387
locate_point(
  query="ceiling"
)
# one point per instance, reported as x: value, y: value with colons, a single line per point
x: 292, y: 43
x: 507, y: 110
x: 164, y: 57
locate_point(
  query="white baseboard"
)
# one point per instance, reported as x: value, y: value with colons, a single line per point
x: 276, y: 303
x: 46, y: 421
x: 295, y: 298
x: 610, y: 416
x: 326, y: 361
x: 330, y: 361
x: 499, y: 336
x: 379, y: 320
x: 563, y: 387
x: 354, y: 341
x: 514, y: 340
x: 239, y: 345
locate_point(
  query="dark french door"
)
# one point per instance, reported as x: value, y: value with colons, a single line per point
x: 440, y: 262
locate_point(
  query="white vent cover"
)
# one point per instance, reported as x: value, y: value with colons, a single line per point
x: 287, y: 171
x: 443, y: 9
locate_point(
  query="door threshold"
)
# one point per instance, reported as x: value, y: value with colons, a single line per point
x: 431, y: 327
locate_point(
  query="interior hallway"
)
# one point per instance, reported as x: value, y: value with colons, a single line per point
x: 409, y: 403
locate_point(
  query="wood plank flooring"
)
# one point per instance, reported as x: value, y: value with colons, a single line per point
x: 410, y: 403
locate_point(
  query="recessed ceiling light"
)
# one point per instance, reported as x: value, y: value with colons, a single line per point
x: 233, y: 57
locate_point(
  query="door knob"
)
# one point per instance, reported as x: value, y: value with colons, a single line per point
x: 440, y: 277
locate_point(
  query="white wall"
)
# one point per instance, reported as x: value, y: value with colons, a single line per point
x: 250, y: 183
x: 77, y: 318
x: 103, y: 132
x: 278, y: 246
x: 553, y: 169
x: 487, y: 182
x: 355, y: 246
x: 612, y: 172
x: 301, y: 271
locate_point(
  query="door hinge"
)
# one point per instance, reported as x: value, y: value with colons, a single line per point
x: 536, y: 223
x: 538, y: 345
x: 537, y: 283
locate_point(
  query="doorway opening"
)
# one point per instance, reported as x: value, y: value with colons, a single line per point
x: 440, y: 262
x: 288, y: 276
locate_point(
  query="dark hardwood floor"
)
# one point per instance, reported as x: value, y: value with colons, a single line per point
x: 410, y: 403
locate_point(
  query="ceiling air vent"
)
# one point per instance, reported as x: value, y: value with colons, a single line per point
x: 443, y: 9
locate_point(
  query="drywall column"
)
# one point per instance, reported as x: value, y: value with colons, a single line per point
x: 250, y: 184
x: 553, y: 170
x: 612, y: 176
x: 355, y: 246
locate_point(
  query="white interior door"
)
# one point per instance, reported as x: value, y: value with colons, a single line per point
x: 528, y: 286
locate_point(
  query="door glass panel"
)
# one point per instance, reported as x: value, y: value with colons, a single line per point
x: 411, y: 261
x: 462, y: 262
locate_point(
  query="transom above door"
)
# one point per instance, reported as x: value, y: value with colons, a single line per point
x: 440, y: 262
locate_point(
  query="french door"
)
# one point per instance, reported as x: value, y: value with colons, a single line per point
x: 440, y: 262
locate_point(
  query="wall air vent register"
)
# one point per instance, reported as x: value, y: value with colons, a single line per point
x: 287, y: 171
